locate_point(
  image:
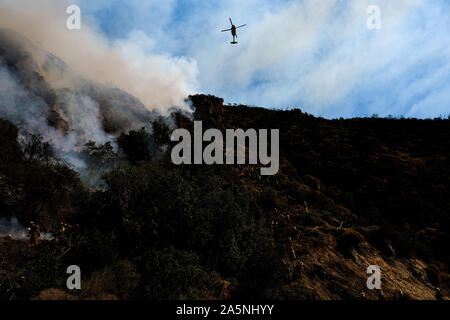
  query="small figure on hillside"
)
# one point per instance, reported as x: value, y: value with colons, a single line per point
x: 302, y: 267
x: 438, y: 294
x: 62, y: 227
x: 291, y: 246
x: 274, y: 225
x: 34, y: 233
x: 306, y: 207
x: 295, y: 233
x: 62, y: 230
x: 289, y: 220
x: 380, y: 294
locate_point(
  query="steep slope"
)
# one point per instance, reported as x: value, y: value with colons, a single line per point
x: 349, y: 194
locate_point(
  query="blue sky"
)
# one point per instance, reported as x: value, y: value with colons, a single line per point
x: 316, y: 55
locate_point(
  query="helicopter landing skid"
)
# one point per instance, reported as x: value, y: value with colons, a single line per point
x: 234, y: 42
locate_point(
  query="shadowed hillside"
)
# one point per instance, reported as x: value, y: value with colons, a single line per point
x: 375, y: 189
x: 52, y: 86
x: 349, y: 194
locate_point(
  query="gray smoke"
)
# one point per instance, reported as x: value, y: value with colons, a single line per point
x: 30, y: 113
x: 12, y: 228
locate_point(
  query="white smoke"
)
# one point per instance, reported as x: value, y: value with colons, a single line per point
x: 12, y: 228
x: 158, y: 80
x: 30, y: 113
x: 161, y: 82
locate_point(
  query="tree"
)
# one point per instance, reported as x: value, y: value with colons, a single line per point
x: 36, y: 149
x: 161, y: 132
x: 135, y: 145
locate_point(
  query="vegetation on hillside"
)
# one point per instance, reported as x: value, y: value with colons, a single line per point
x: 153, y: 230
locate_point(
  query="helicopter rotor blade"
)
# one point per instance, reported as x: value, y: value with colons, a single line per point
x: 226, y: 30
x: 241, y: 26
x: 231, y: 21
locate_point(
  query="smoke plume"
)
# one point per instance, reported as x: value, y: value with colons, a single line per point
x: 159, y: 81
x: 29, y: 112
x: 12, y: 228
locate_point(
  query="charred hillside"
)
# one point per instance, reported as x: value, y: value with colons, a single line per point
x: 349, y: 194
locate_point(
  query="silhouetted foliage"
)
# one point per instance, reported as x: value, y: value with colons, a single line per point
x: 135, y: 145
x: 161, y: 132
x: 36, y: 149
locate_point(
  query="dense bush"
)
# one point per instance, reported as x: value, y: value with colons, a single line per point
x: 154, y: 230
x: 160, y: 206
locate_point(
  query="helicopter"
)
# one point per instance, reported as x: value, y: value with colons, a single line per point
x: 233, y: 31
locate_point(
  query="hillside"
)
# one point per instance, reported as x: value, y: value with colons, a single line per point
x: 349, y: 194
x: 376, y: 192
x: 53, y: 89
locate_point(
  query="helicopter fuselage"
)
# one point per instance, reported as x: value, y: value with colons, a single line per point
x: 233, y: 30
